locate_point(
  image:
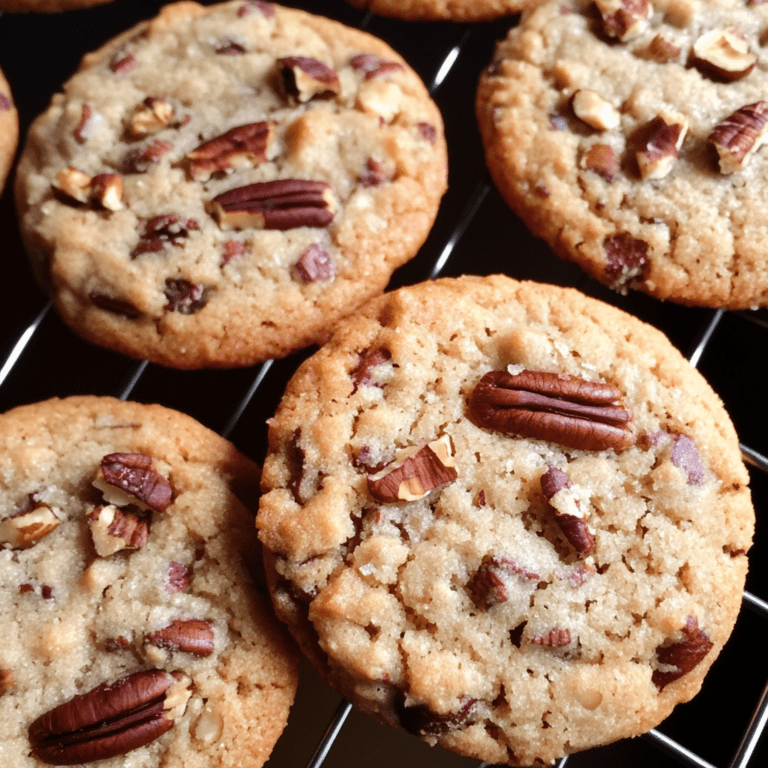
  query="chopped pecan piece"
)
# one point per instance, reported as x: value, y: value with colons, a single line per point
x: 415, y: 472
x: 241, y: 147
x: 427, y: 131
x: 5, y: 102
x: 567, y: 508
x: 115, y: 305
x: 81, y: 135
x: 178, y: 577
x: 488, y: 587
x: 280, y: 204
x: 372, y: 65
x: 555, y: 638
x: 601, y: 159
x: 305, y: 78
x: 141, y: 160
x: 151, y: 116
x: 7, y: 682
x: 420, y: 720
x: 658, y: 144
x: 625, y: 259
x: 740, y: 135
x: 113, y: 529
x: 193, y: 636
x: 229, y: 48
x: 662, y: 50
x: 232, y: 249
x: 314, y: 265
x: 123, y: 62
x: 683, y: 655
x: 26, y: 528
x: 685, y: 456
x: 161, y: 231
x: 184, y: 296
x: 376, y: 173
x: 563, y: 409
x: 624, y: 19
x: 130, y: 478
x: 724, y: 55
x: 111, y: 719
x: 104, y: 190
x: 368, y: 359
x: 591, y: 108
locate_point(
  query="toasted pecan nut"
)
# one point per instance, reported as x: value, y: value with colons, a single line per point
x: 591, y: 108
x: 724, y: 55
x: 488, y: 587
x: 113, y: 529
x: 420, y: 720
x: 193, y: 636
x: 740, y: 135
x: 658, y: 145
x: 111, y: 719
x: 624, y: 19
x: 305, y: 78
x: 681, y: 657
x: 563, y: 409
x: 415, y: 472
x: 568, y: 509
x: 243, y: 146
x: 25, y: 529
x: 131, y: 478
x: 279, y: 204
x: 151, y: 116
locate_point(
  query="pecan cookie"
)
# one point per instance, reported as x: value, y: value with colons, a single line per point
x: 9, y: 130
x: 219, y: 185
x: 627, y: 135
x: 131, y: 621
x: 518, y: 534
x: 451, y: 10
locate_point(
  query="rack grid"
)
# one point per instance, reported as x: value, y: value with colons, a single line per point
x: 724, y: 726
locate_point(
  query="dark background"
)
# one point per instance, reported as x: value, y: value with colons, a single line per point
x: 38, y: 52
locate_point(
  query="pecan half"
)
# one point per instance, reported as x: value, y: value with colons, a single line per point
x: 279, y: 204
x: 415, y: 472
x: 563, y: 409
x: 242, y: 147
x: 740, y: 135
x: 113, y: 529
x: 130, y: 478
x: 25, y: 529
x: 684, y: 655
x: 305, y: 78
x: 193, y: 636
x: 567, y: 509
x: 111, y: 719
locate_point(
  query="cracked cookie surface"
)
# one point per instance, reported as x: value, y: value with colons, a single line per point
x: 218, y: 185
x: 510, y: 598
x: 602, y: 136
x: 142, y: 578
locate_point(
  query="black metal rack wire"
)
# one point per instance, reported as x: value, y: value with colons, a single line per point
x: 724, y: 726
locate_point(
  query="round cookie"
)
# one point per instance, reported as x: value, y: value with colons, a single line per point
x: 46, y: 6
x: 9, y: 130
x: 517, y: 533
x: 629, y: 141
x: 451, y: 10
x: 219, y: 185
x: 126, y: 565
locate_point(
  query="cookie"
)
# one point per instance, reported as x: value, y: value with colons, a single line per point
x: 9, y: 130
x: 46, y: 6
x: 627, y: 137
x: 516, y: 528
x: 219, y: 185
x: 127, y: 565
x: 450, y: 10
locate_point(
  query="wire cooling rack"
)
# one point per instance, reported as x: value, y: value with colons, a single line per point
x: 475, y: 233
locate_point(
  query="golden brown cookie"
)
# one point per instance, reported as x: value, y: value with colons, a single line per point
x: 128, y: 596
x: 628, y: 137
x: 451, y: 10
x: 224, y: 201
x: 507, y: 517
x: 9, y: 130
